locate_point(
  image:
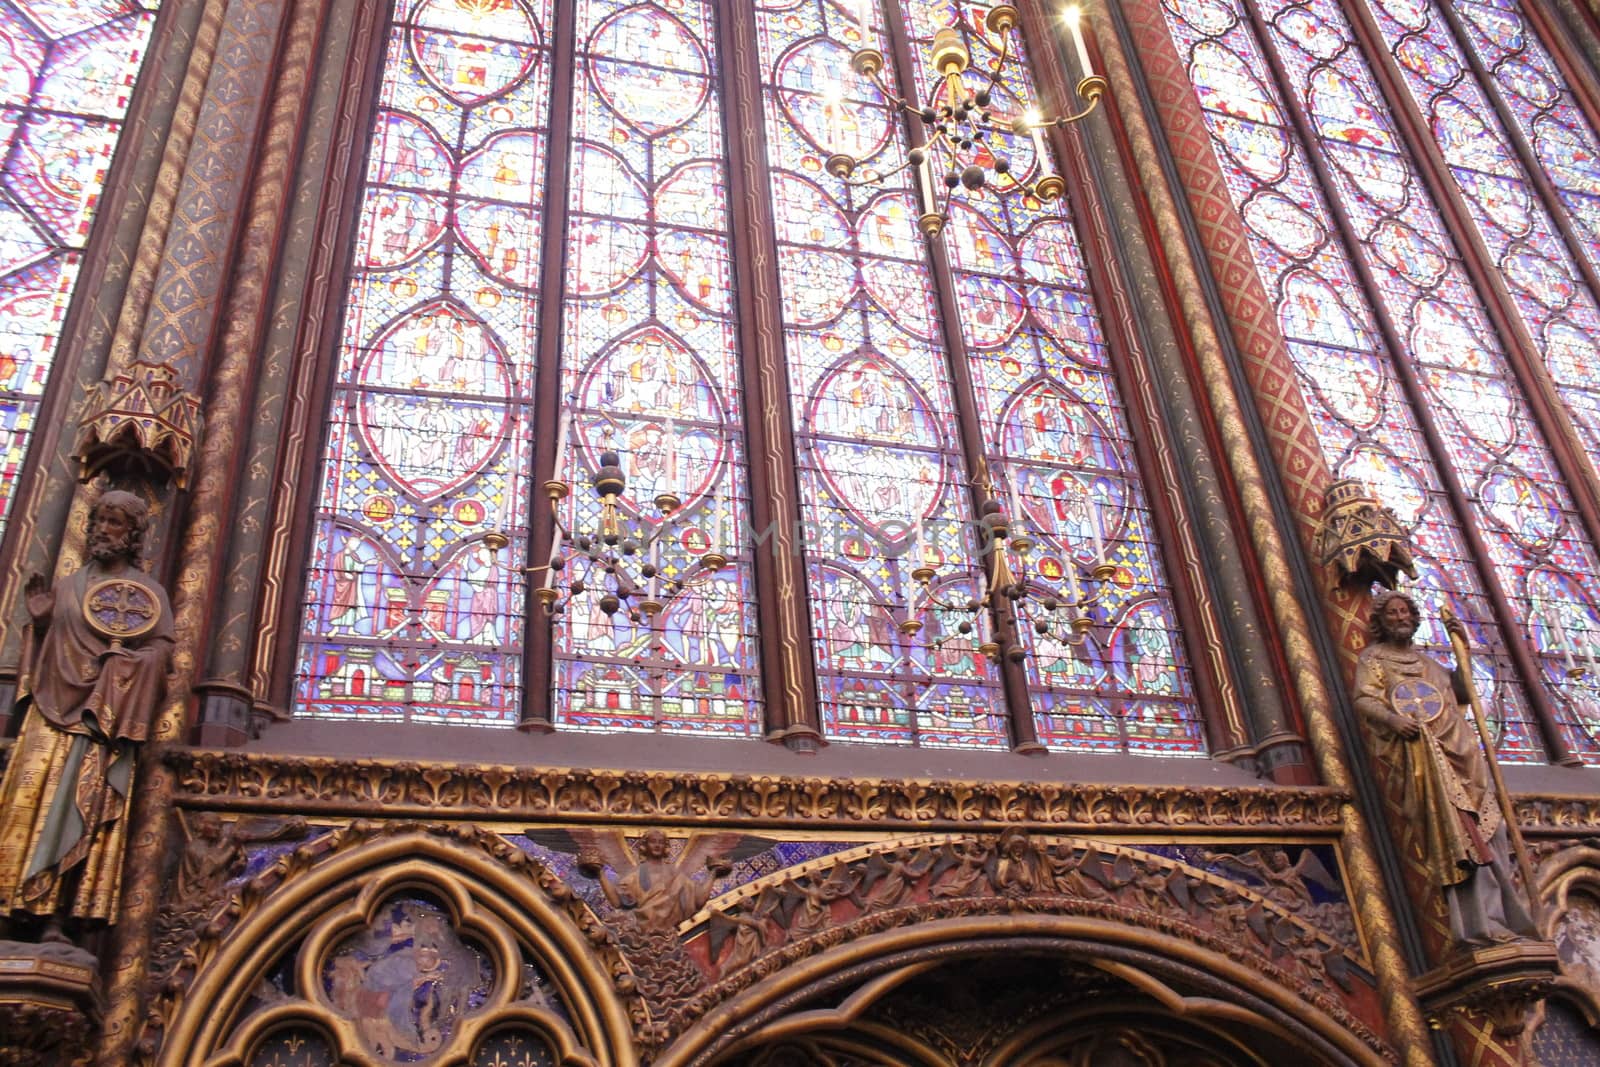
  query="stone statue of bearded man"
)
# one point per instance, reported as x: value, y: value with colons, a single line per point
x: 93, y: 670
x: 1419, y: 727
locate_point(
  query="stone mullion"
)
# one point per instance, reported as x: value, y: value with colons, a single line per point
x: 538, y: 634
x: 353, y: 74
x: 1522, y: 353
x: 788, y: 665
x: 1215, y: 689
x: 253, y: 574
x: 1013, y: 676
x: 1231, y: 375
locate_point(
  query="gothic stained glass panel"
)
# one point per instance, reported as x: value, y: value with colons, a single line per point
x: 409, y: 614
x: 1366, y: 426
x: 880, y: 467
x: 66, y: 76
x: 1542, y: 276
x: 1058, y: 443
x: 649, y: 355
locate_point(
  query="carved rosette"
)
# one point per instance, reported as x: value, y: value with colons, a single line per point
x: 1360, y: 541
x: 140, y: 420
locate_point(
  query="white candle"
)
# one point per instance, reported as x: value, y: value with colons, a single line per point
x: 671, y: 445
x: 1072, y: 17
x: 925, y: 181
x: 728, y: 548
x: 1564, y: 643
x: 563, y: 429
x: 1094, y: 528
x: 655, y: 565
x: 832, y: 102
x: 1072, y: 582
x: 864, y: 20
x: 918, y: 557
x: 550, y: 564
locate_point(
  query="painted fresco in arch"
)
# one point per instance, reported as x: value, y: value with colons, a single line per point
x: 67, y: 74
x: 880, y: 469
x: 409, y: 614
x: 1060, y: 450
x: 1363, y: 419
x: 650, y: 366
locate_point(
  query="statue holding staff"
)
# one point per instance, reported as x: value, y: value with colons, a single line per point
x: 1414, y: 706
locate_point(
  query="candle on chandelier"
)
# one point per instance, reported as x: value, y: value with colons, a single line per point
x: 925, y: 181
x: 1564, y: 643
x: 1036, y: 131
x: 863, y: 19
x: 1072, y: 582
x: 1094, y: 528
x: 655, y: 564
x: 671, y: 445
x: 550, y: 564
x: 918, y: 554
x: 1073, y: 18
x: 832, y: 104
x: 563, y: 429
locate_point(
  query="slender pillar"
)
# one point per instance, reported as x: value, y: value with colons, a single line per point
x: 538, y: 634
x: 788, y: 669
x: 1217, y: 696
x: 1013, y: 677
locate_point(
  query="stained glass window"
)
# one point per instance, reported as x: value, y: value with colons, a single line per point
x: 1366, y: 421
x: 881, y: 474
x: 68, y: 71
x: 650, y: 357
x: 1541, y: 273
x: 412, y: 614
x: 1058, y: 442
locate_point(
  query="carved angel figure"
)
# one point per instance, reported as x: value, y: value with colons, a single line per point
x: 645, y: 882
x: 1285, y: 882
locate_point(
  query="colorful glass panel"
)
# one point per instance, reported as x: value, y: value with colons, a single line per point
x: 650, y: 358
x: 1544, y: 279
x: 1364, y: 421
x: 879, y: 461
x: 1058, y: 442
x: 409, y: 613
x: 66, y: 76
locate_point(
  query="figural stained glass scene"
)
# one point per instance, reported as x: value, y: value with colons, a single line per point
x: 918, y: 383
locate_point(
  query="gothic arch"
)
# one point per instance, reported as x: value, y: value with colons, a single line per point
x: 1180, y: 978
x: 334, y: 886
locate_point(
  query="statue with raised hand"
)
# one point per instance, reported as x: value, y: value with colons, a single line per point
x: 93, y: 671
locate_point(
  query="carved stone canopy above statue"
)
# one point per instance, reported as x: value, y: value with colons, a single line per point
x: 1360, y: 540
x: 139, y: 422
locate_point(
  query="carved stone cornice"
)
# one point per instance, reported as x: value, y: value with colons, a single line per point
x: 1542, y: 815
x: 320, y: 785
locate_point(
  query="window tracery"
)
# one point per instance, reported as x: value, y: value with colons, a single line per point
x: 411, y: 614
x: 1370, y: 281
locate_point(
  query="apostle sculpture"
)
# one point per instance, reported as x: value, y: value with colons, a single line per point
x: 93, y: 670
x: 1415, y: 708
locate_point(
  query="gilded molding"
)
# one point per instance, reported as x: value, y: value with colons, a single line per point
x: 318, y: 785
x: 1304, y: 472
x: 1569, y: 816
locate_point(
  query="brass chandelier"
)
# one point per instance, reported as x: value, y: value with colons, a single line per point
x: 963, y: 131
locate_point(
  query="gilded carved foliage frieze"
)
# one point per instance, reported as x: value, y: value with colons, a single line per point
x: 327, y: 786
